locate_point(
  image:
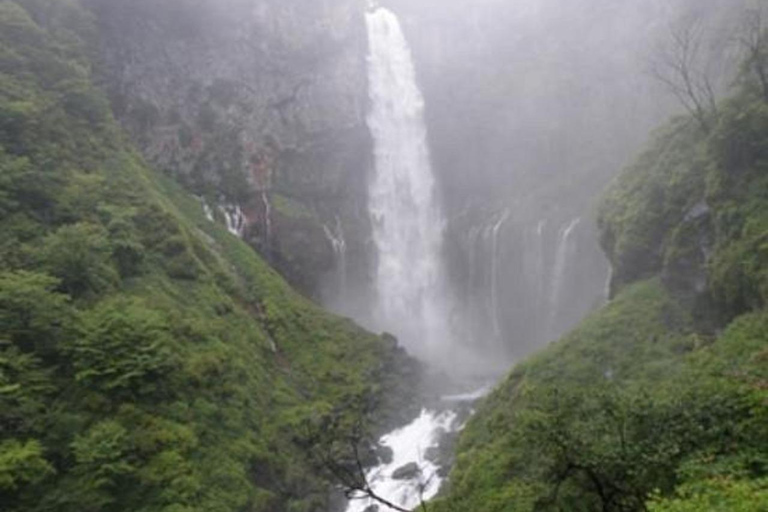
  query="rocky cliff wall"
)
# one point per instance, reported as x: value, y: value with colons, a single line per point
x: 533, y: 107
x: 258, y: 107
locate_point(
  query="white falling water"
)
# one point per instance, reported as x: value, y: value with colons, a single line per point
x: 407, y: 221
x: 207, y: 210
x: 236, y: 221
x: 559, y: 272
x: 409, y: 445
x: 608, y: 284
x: 267, y: 214
x: 335, y: 237
x: 540, y: 259
x: 495, y: 272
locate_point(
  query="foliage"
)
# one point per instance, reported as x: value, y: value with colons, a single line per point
x: 149, y: 360
x: 125, y: 349
x: 717, y: 495
x: 80, y: 256
x: 21, y: 464
x: 659, y: 400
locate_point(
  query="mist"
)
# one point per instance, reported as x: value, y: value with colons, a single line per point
x: 532, y: 108
x: 369, y: 255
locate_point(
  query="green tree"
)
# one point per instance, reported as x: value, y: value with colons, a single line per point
x: 33, y: 316
x: 21, y: 463
x: 126, y: 350
x: 80, y: 256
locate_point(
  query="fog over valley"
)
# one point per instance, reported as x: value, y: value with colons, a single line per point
x: 383, y: 255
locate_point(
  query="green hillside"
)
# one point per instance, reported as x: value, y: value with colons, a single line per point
x: 149, y: 360
x: 659, y: 401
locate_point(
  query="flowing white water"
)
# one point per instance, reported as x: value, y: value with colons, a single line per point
x: 236, y: 222
x: 559, y: 271
x: 540, y: 260
x: 608, y: 283
x: 336, y: 238
x: 267, y: 214
x: 495, y: 273
x: 409, y: 446
x: 207, y: 210
x: 407, y: 220
x: 408, y: 228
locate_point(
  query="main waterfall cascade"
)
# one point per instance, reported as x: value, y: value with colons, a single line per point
x: 408, y: 224
x: 410, y: 279
x: 522, y: 279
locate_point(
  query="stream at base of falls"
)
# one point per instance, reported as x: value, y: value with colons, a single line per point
x: 414, y: 459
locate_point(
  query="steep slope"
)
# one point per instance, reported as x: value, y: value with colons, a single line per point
x: 659, y: 401
x: 256, y: 105
x: 149, y: 360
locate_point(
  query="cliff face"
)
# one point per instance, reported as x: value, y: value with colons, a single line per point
x: 532, y: 107
x: 244, y: 101
x: 683, y: 343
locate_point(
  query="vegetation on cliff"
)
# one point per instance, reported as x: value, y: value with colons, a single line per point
x: 659, y: 401
x: 149, y: 360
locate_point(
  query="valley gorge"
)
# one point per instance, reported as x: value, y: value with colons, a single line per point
x: 347, y: 255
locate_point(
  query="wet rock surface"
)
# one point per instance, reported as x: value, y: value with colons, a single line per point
x: 242, y: 100
x: 407, y: 472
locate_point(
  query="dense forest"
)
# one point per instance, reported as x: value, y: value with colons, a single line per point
x: 153, y: 360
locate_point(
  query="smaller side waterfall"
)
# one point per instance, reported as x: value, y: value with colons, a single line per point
x: 495, y: 272
x: 335, y: 237
x: 267, y: 215
x: 207, y: 210
x: 236, y: 222
x: 561, y: 262
x: 609, y: 284
x: 524, y: 280
x: 559, y: 273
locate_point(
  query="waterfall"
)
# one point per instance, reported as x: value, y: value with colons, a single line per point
x: 559, y: 272
x: 540, y: 260
x: 233, y: 216
x: 410, y: 444
x: 207, y: 210
x: 495, y: 273
x: 267, y: 215
x: 533, y: 283
x: 406, y: 217
x: 607, y: 294
x: 335, y: 237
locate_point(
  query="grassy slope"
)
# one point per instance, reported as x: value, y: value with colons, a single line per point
x: 149, y: 360
x: 659, y: 401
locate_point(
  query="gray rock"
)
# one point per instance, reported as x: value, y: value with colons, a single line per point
x: 242, y: 99
x: 384, y: 453
x: 407, y: 472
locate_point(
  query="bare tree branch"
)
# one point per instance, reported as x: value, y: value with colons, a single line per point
x: 336, y: 450
x: 680, y: 67
x: 754, y: 41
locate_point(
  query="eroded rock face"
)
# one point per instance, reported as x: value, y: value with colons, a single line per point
x: 245, y: 99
